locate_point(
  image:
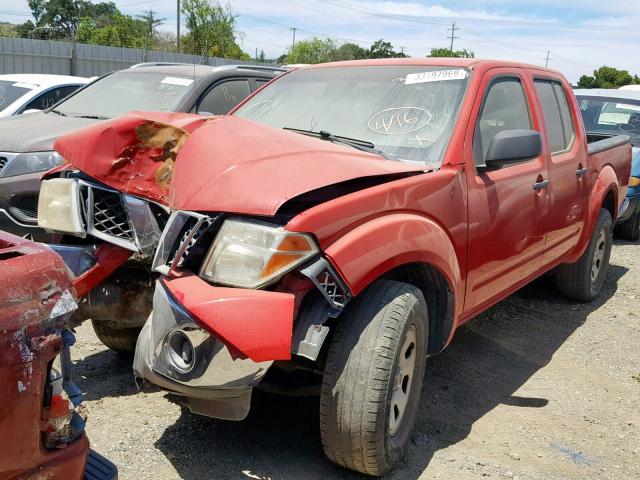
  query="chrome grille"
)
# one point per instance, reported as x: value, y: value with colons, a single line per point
x: 181, y: 236
x: 5, y: 160
x: 109, y: 215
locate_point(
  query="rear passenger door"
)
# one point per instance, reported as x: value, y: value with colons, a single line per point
x: 568, y: 176
x: 507, y: 207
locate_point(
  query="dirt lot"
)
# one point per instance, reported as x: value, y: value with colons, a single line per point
x: 536, y: 388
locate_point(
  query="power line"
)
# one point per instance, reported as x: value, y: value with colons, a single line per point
x: 293, y: 44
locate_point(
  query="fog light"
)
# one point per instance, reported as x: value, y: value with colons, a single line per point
x: 181, y: 352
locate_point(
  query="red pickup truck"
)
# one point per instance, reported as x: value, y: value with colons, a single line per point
x: 41, y: 420
x: 340, y: 225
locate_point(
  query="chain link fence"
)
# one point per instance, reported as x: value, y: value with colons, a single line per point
x: 25, y: 55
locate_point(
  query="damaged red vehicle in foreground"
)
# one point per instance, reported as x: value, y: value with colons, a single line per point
x: 41, y: 419
x: 340, y: 226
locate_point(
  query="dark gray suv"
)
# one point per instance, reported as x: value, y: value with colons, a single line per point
x: 26, y: 141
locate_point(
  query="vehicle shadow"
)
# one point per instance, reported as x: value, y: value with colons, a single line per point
x: 488, y: 361
x: 89, y: 375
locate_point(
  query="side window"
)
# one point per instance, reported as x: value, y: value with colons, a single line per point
x: 224, y: 96
x: 565, y: 112
x: 556, y: 113
x: 504, y: 108
x: 51, y: 97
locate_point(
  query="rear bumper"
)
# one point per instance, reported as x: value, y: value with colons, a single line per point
x: 182, y: 351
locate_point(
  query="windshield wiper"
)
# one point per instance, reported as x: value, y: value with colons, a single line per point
x: 92, y: 117
x: 363, y: 145
x: 57, y: 112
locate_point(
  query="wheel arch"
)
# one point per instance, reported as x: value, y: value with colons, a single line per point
x: 408, y: 248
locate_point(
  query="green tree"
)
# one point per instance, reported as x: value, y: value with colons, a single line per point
x: 607, y: 77
x: 121, y: 31
x: 350, y: 51
x: 61, y: 18
x: 314, y: 50
x: 152, y: 22
x: 446, y: 52
x: 211, y: 30
x: 383, y: 49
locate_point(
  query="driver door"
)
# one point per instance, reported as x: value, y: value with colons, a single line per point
x: 508, y: 206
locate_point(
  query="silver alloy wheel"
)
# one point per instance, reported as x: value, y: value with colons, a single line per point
x: 403, y: 379
x: 598, y: 255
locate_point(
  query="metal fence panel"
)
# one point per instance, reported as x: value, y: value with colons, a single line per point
x: 26, y: 55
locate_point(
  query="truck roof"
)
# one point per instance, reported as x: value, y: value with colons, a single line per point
x: 432, y: 61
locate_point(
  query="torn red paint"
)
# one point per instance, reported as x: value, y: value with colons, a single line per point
x: 133, y: 153
x: 226, y: 164
x: 256, y: 323
x: 34, y: 279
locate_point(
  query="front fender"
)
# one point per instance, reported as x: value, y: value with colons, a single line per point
x: 377, y: 246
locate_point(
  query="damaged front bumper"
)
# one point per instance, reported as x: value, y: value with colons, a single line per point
x: 214, y: 345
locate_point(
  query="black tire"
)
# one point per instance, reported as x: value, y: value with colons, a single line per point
x: 121, y: 340
x: 362, y: 363
x: 630, y: 228
x: 574, y: 280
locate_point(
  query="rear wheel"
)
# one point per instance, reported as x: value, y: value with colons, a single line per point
x: 630, y: 228
x: 373, y: 377
x: 583, y: 279
x: 121, y: 340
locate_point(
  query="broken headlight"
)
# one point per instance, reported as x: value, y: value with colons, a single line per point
x: 252, y: 255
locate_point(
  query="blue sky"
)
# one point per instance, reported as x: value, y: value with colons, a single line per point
x: 579, y: 35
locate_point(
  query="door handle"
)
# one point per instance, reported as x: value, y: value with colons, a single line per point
x: 540, y: 185
x: 581, y: 172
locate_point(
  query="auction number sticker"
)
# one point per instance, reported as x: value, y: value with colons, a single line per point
x: 435, y: 76
x: 185, y: 82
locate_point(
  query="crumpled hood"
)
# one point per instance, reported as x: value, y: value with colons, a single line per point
x: 36, y: 132
x: 222, y: 164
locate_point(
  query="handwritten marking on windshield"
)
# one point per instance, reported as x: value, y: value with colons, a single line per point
x: 399, y: 120
x: 420, y: 139
x: 262, y: 107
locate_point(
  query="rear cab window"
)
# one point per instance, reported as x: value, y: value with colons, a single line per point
x: 558, y: 120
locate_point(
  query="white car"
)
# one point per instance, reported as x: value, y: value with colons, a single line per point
x: 33, y: 91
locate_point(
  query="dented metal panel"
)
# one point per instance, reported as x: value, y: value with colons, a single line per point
x: 253, y: 323
x: 37, y: 291
x: 225, y: 164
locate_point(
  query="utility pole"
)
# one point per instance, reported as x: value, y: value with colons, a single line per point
x: 402, y: 50
x: 178, y: 26
x: 293, y: 44
x: 546, y: 64
x: 453, y: 34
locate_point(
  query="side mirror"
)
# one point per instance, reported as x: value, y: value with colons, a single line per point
x: 512, y: 146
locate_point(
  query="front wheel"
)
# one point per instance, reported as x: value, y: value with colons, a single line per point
x: 583, y: 279
x: 373, y: 377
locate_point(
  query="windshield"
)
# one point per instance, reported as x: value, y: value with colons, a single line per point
x: 406, y: 112
x: 611, y: 116
x: 127, y: 90
x: 10, y: 91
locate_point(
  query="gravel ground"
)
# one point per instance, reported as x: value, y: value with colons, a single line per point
x: 535, y: 388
